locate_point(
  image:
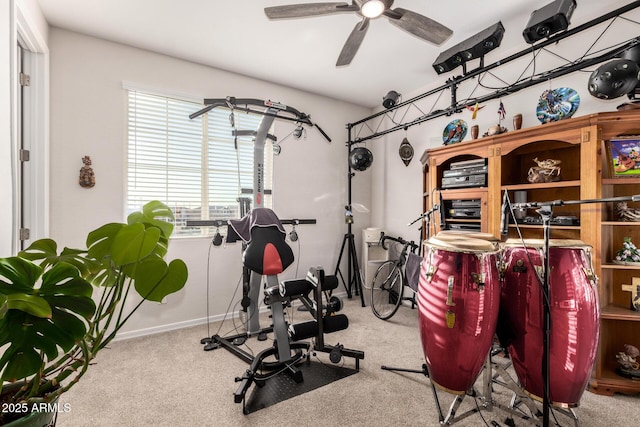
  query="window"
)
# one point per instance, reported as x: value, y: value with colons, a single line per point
x: 193, y: 166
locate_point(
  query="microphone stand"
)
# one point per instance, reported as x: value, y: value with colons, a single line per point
x: 545, y: 210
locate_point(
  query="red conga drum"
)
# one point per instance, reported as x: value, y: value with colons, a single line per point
x: 458, y: 305
x: 575, y: 317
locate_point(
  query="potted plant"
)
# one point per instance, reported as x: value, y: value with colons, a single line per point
x: 58, y: 310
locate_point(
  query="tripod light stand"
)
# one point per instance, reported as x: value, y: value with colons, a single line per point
x: 353, y: 279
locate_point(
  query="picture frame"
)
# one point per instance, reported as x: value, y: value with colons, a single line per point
x: 624, y: 157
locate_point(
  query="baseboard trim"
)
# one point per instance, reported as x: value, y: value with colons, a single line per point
x: 138, y: 333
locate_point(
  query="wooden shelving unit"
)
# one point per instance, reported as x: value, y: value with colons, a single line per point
x: 580, y: 144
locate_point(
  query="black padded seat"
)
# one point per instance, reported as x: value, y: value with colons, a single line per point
x: 268, y: 253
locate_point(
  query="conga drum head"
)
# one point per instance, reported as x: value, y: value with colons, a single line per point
x: 539, y: 243
x: 462, y: 243
x: 455, y: 234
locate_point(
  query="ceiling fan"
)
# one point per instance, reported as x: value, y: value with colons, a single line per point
x: 411, y: 22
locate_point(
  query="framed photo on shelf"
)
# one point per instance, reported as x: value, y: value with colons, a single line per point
x: 624, y: 157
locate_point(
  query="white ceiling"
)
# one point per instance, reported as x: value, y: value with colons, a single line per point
x: 301, y: 53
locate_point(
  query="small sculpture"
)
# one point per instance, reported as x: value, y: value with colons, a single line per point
x: 627, y: 359
x: 625, y: 213
x: 495, y: 130
x: 87, y: 177
x: 629, y: 254
x: 546, y: 171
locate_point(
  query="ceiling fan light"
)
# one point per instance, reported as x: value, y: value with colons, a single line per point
x: 372, y: 8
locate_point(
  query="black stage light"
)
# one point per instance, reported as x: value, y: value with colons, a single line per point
x: 549, y: 20
x: 474, y: 47
x: 360, y: 158
x: 390, y: 99
x: 614, y: 79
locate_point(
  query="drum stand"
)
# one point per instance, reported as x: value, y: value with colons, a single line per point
x: 494, y: 374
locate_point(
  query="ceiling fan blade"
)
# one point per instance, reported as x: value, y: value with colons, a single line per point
x: 353, y: 43
x: 419, y: 25
x: 308, y: 9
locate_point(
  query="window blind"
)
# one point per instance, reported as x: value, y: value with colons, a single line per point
x: 193, y: 166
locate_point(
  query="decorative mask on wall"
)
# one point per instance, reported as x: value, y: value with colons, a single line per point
x: 87, y: 177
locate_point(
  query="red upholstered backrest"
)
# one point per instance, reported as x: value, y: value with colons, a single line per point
x: 271, y: 262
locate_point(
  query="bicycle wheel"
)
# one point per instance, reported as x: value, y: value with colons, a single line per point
x: 386, y: 290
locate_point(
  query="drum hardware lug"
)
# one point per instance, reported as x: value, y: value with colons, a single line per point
x: 590, y: 275
x: 478, y: 280
x: 450, y: 318
x: 431, y: 271
x: 519, y: 266
x: 450, y: 292
x: 540, y: 270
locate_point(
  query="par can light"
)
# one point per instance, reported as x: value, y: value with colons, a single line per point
x: 360, y: 158
x: 390, y: 99
x: 614, y: 79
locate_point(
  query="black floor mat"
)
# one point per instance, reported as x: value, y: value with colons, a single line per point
x: 283, y: 387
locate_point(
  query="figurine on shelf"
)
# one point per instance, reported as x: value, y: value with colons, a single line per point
x: 546, y: 171
x: 625, y: 213
x: 629, y: 254
x: 629, y: 366
x: 495, y: 130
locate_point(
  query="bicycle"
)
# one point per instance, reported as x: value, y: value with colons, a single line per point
x: 387, y: 286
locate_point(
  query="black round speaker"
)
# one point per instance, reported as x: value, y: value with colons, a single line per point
x: 360, y: 158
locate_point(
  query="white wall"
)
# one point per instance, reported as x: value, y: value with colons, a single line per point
x: 88, y: 117
x: 397, y: 190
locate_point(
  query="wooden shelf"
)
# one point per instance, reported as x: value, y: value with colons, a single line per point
x: 620, y: 223
x: 613, y: 312
x: 554, y: 226
x: 620, y: 181
x: 452, y: 191
x: 620, y: 267
x: 547, y: 185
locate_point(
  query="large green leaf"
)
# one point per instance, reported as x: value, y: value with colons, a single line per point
x: 133, y: 243
x: 45, y: 251
x: 18, y: 275
x: 156, y: 214
x: 36, y: 335
x: 19, y: 363
x: 154, y: 279
x: 99, y: 241
x: 64, y: 279
x: 32, y: 304
x: 44, y: 320
x: 40, y: 249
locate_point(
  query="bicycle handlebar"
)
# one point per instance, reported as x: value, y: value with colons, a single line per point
x: 400, y: 240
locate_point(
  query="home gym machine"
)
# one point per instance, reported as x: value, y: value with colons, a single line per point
x: 269, y: 110
x: 266, y: 254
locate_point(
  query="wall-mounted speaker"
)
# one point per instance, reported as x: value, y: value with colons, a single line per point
x: 474, y: 47
x: 549, y: 20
